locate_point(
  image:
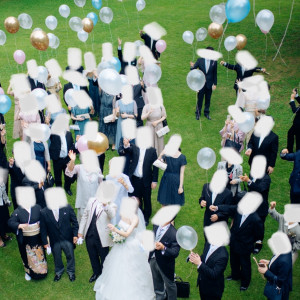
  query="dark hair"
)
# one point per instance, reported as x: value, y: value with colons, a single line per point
x: 80, y: 70
x: 210, y: 48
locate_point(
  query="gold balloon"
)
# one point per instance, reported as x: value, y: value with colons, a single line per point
x: 88, y: 24
x: 100, y: 145
x: 12, y: 24
x: 241, y: 41
x: 215, y: 30
x: 39, y: 40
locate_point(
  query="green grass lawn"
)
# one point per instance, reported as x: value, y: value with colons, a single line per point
x: 175, y: 16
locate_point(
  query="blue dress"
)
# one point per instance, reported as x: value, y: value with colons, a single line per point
x: 169, y: 184
x: 39, y: 150
x: 94, y: 94
x: 76, y: 111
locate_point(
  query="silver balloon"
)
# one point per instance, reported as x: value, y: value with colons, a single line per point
x: 248, y: 122
x: 52, y: 39
x: 187, y: 237
x: 230, y: 43
x: 188, y: 37
x: 38, y: 132
x: 140, y: 5
x: 51, y: 22
x: 42, y: 74
x: 40, y: 96
x: 56, y: 43
x: 206, y: 158
x: 106, y: 15
x: 25, y: 21
x: 75, y: 24
x: 138, y: 43
x: 80, y: 3
x: 195, y: 80
x: 265, y: 20
x: 82, y: 35
x: 69, y: 98
x: 217, y: 14
x: 152, y: 73
x: 201, y: 34
x: 64, y: 10
x: 2, y: 38
x: 104, y: 65
x: 110, y: 81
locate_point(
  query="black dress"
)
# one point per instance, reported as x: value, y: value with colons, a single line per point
x: 3, y: 159
x: 4, y: 213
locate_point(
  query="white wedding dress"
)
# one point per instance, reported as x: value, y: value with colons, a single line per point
x: 126, y: 272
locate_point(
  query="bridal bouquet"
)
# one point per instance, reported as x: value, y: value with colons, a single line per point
x: 117, y: 238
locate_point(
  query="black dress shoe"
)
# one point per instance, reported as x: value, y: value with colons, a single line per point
x: 229, y: 278
x: 208, y: 117
x: 69, y: 192
x: 72, y: 277
x: 197, y: 116
x: 257, y: 248
x: 93, y: 278
x: 146, y: 223
x: 57, y: 278
x: 243, y: 288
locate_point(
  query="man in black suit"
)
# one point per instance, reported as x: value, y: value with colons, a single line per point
x: 142, y: 174
x: 62, y: 228
x: 294, y: 131
x: 162, y: 261
x: 211, y: 266
x: 267, y: 146
x: 208, y: 198
x: 139, y: 100
x: 124, y: 64
x: 59, y: 148
x: 150, y: 43
x: 241, y: 72
x: 209, y: 69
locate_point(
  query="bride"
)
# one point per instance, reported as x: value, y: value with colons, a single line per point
x: 126, y: 272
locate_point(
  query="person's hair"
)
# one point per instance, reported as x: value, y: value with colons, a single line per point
x: 210, y: 48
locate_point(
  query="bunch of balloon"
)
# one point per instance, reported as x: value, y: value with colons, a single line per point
x: 206, y: 158
x: 230, y: 44
x: 64, y: 11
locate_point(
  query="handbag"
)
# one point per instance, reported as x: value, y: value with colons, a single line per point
x: 239, y: 195
x: 272, y: 291
x: 161, y: 165
x: 233, y: 144
x: 183, y: 288
x: 165, y: 129
x: 49, y: 182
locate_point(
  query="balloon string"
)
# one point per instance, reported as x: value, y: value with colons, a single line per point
x: 126, y: 13
x: 254, y: 13
x: 193, y: 49
x: 220, y: 43
x: 85, y: 46
x: 8, y: 59
x: 40, y: 56
x: 266, y: 46
x: 110, y: 34
x: 227, y: 68
x: 192, y: 269
x: 198, y: 112
x: 83, y: 12
x: 66, y: 27
x: 138, y: 20
x: 206, y: 183
x: 93, y: 40
x: 277, y: 48
x: 287, y: 26
x: 15, y: 41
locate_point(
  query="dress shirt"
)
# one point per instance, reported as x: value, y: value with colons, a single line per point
x: 213, y: 197
x: 244, y: 217
x: 243, y: 70
x: 272, y: 260
x: 56, y: 214
x: 35, y: 82
x: 207, y: 63
x: 159, y: 234
x: 139, y: 168
x: 151, y: 43
x: 261, y: 139
x: 211, y: 250
x: 63, y: 147
x: 76, y: 87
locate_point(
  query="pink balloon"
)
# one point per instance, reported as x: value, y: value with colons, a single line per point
x: 161, y: 46
x: 19, y: 57
x: 263, y: 31
x: 1, y: 91
x: 82, y: 144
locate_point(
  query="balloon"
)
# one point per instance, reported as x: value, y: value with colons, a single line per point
x: 97, y: 3
x: 64, y: 10
x: 263, y: 103
x: 106, y: 15
x: 100, y: 145
x: 12, y: 24
x: 195, y: 80
x: 56, y: 43
x: 51, y: 38
x: 265, y: 20
x: 215, y: 30
x: 104, y: 65
x: 82, y: 35
x: 152, y: 73
x: 40, y: 95
x: 123, y: 79
x: 201, y: 34
x: 206, y: 158
x: 1, y: 91
x: 217, y: 14
x: 93, y: 17
x: 115, y: 62
x: 187, y: 237
x: 230, y: 43
x: 140, y: 5
x: 88, y: 25
x: 69, y: 98
x: 188, y: 37
x: 237, y: 10
x: 80, y: 3
x: 110, y: 81
x: 241, y: 41
x: 39, y: 40
x: 160, y: 46
x: 138, y: 43
x: 51, y: 22
x: 19, y: 57
x: 46, y: 132
x: 5, y: 104
x: 248, y: 123
x: 82, y: 144
x: 25, y: 21
x: 75, y: 24
x: 2, y: 38
x: 42, y: 74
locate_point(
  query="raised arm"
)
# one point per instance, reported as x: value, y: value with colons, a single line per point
x: 127, y: 233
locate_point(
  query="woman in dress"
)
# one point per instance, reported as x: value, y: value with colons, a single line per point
x: 25, y: 223
x: 155, y: 115
x: 81, y: 116
x: 40, y: 152
x: 26, y: 120
x: 3, y: 159
x: 126, y: 271
x: 4, y: 215
x: 53, y: 86
x: 107, y: 108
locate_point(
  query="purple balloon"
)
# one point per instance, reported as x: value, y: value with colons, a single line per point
x: 19, y: 57
x: 82, y: 144
x: 161, y: 46
x: 1, y: 91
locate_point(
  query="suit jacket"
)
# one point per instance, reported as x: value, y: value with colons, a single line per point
x: 147, y: 40
x: 296, y: 111
x: 102, y: 221
x: 295, y: 175
x: 34, y: 86
x: 124, y: 64
x: 211, y: 272
x: 64, y: 230
x: 166, y: 261
x: 224, y: 198
x: 239, y: 73
x: 268, y: 148
x: 150, y: 173
x: 69, y: 85
x: 39, y: 192
x: 16, y: 178
x: 55, y: 145
x: 211, y: 75
x: 140, y: 103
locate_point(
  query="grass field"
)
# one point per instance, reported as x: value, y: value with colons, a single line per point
x: 175, y: 16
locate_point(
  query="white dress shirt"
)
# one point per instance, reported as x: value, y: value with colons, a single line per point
x: 63, y: 147
x: 207, y: 63
x: 139, y: 168
x: 244, y: 217
x: 76, y: 87
x: 213, y: 197
x: 56, y: 214
x: 243, y: 70
x: 211, y: 250
x: 261, y: 139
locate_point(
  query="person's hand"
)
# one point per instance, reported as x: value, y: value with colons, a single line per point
x: 113, y: 119
x: 142, y: 83
x: 22, y: 226
x: 273, y: 204
x: 154, y: 124
x: 11, y: 161
x: 262, y: 270
x: 119, y: 42
x: 214, y: 218
x: 80, y: 119
x: 180, y: 190
x: 195, y: 259
x: 159, y: 246
x: 233, y: 181
x: 3, y: 132
x: 111, y: 227
x: 153, y: 185
x: 46, y: 246
x: 121, y: 180
x: 126, y: 142
x: 270, y: 170
x: 41, y: 184
x: 285, y: 151
x: 245, y: 178
x: 80, y: 241
x: 95, y: 74
x: 78, y: 137
x: 264, y: 261
x: 72, y: 155
x: 80, y: 235
x: 49, y: 168
x: 248, y: 152
x: 214, y: 87
x: 124, y: 116
x: 263, y: 70
x: 75, y: 238
x: 203, y: 203
x: 141, y: 31
x: 192, y: 64
x: 69, y: 108
x: 213, y: 208
x: 47, y: 120
x: 222, y: 63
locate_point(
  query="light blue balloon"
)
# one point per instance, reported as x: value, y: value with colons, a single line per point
x: 116, y: 64
x: 93, y: 17
x: 237, y: 10
x: 97, y: 3
x: 5, y: 104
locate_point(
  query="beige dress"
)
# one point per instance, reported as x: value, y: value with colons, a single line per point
x: 158, y: 113
x: 17, y: 130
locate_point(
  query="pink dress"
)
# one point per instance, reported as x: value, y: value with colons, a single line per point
x: 239, y: 135
x: 29, y: 118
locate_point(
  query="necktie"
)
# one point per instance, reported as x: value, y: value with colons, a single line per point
x: 56, y: 214
x: 207, y: 62
x: 213, y: 198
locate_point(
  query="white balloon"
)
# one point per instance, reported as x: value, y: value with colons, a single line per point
x: 82, y: 35
x: 2, y: 37
x: 64, y: 10
x: 265, y: 20
x: 38, y: 132
x: 75, y: 24
x: 152, y: 73
x: 106, y: 15
x: 217, y: 14
x: 52, y: 39
x: 138, y: 43
x: 230, y: 43
x: 248, y: 122
x: 25, y: 21
x: 69, y: 98
x: 187, y: 237
x: 51, y: 22
x: 195, y: 80
x: 56, y: 43
x: 42, y: 74
x: 140, y: 5
x: 188, y: 37
x: 206, y: 158
x: 80, y: 3
x: 40, y: 96
x: 110, y: 81
x: 201, y: 34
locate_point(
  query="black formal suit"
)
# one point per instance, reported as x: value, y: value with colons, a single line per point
x: 211, y: 273
x: 281, y: 268
x: 124, y: 64
x: 122, y: 152
x: 294, y: 131
x: 16, y: 178
x: 39, y: 192
x: 142, y: 186
x: 268, y: 148
x: 140, y: 103
x: 147, y: 40
x: 211, y: 79
x: 224, y: 198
